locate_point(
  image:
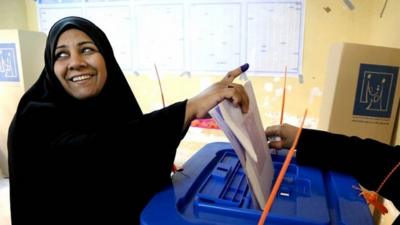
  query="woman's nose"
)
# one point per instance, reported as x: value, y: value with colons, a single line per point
x: 77, y: 61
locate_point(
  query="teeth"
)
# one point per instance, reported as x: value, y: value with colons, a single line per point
x: 79, y: 78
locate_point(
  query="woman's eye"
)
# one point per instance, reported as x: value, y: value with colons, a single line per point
x: 61, y: 55
x: 87, y: 50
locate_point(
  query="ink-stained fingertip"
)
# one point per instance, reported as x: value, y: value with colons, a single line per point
x: 244, y: 67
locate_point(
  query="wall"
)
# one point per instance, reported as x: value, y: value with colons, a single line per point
x: 31, y: 15
x: 322, y: 28
x: 13, y: 14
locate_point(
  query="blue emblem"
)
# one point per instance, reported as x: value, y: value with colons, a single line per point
x: 8, y: 63
x: 376, y: 87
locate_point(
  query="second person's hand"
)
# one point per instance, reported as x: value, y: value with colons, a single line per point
x: 281, y: 136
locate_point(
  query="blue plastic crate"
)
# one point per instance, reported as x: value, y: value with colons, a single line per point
x: 213, y: 189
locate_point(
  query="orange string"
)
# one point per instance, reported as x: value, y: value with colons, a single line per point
x: 387, y: 177
x: 283, y: 96
x: 159, y: 84
x: 282, y: 173
x: 174, y: 168
x: 372, y: 197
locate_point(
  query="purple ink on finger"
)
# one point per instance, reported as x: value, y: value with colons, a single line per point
x: 244, y: 67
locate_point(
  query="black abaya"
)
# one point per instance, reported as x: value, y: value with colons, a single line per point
x: 79, y: 161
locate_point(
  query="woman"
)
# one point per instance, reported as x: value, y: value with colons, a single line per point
x: 78, y: 135
x: 369, y: 161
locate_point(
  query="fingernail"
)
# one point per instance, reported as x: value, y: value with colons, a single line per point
x: 244, y: 67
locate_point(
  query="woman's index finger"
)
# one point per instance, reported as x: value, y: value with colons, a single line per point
x: 231, y: 75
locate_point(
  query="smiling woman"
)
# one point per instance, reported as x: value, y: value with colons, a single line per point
x: 79, y: 65
x: 78, y: 133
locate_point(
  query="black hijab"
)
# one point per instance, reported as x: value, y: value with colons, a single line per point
x: 76, y: 160
x: 48, y: 89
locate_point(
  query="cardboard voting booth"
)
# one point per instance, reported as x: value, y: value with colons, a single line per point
x: 361, y: 92
x: 21, y: 62
x: 212, y: 189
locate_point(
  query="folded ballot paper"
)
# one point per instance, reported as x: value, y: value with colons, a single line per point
x: 246, y: 134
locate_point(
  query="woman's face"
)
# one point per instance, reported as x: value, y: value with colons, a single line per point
x: 79, y: 65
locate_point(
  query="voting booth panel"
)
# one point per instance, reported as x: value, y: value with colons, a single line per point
x: 361, y: 92
x: 21, y: 62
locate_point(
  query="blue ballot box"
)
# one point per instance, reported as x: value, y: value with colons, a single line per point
x: 213, y: 189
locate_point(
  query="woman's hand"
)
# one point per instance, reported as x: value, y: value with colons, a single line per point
x: 281, y: 136
x: 198, y: 106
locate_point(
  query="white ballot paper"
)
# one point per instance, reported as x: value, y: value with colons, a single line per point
x: 246, y: 134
